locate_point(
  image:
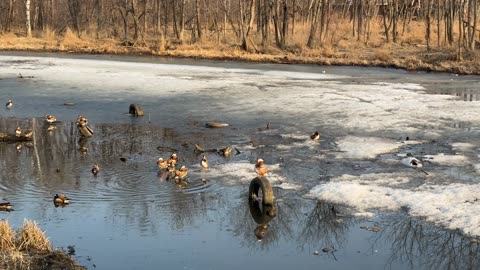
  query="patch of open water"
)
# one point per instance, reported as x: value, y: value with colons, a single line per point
x: 129, y: 217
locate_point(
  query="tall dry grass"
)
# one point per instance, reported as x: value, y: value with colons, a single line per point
x: 7, y: 236
x: 29, y: 248
x: 32, y: 237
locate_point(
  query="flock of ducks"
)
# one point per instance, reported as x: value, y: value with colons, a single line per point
x: 179, y: 175
x: 58, y: 200
x: 168, y: 166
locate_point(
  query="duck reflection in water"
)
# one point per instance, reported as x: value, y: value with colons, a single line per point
x: 262, y: 215
x: 83, y: 145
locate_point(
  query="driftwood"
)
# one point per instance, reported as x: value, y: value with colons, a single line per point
x: 227, y: 151
x: 5, y: 137
x: 135, y: 109
x: 216, y: 124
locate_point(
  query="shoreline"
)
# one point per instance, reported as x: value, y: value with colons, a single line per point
x: 405, y: 58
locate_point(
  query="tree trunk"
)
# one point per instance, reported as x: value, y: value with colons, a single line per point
x: 474, y: 30
x: 359, y: 19
x: 427, y: 34
x: 197, y: 18
x: 266, y: 23
x: 145, y: 4
x: 386, y: 25
x: 294, y: 9
x: 225, y: 12
x: 460, y: 30
x: 27, y: 18
x: 246, y: 31
x: 165, y: 22
x: 278, y: 25
x: 438, y: 23
x: 313, y: 25
x: 99, y: 22
x: 472, y: 23
x: 285, y: 23
x: 74, y: 9
x: 182, y: 20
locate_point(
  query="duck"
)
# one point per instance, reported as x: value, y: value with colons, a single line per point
x: 204, y: 162
x: 315, y: 136
x: 61, y: 199
x: 9, y: 104
x: 227, y: 151
x: 95, y: 169
x: 182, y: 173
x: 50, y: 119
x: 412, y: 161
x: 162, y: 164
x: 28, y: 133
x: 19, y: 146
x: 51, y: 128
x: 18, y: 132
x: 82, y: 121
x: 6, y: 206
x: 172, y: 161
x: 260, y: 168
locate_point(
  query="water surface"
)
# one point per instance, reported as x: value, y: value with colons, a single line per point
x: 349, y: 191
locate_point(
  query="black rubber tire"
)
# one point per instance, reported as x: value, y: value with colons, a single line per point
x: 267, y: 192
x: 135, y: 109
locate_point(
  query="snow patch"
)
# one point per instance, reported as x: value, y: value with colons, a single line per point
x: 243, y: 172
x: 453, y: 206
x: 443, y: 159
x: 366, y: 147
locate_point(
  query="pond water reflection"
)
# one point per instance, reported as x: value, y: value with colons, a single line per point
x: 129, y: 216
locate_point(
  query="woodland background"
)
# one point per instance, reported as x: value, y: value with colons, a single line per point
x: 439, y: 35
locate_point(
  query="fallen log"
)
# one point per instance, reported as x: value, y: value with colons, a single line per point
x: 5, y: 137
x: 216, y: 124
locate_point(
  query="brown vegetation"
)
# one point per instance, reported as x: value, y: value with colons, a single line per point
x: 414, y: 35
x: 29, y: 248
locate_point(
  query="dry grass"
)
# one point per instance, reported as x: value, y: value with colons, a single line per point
x: 7, y: 236
x: 339, y: 47
x: 28, y: 248
x: 32, y: 237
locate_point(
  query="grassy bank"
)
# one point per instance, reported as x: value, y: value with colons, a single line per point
x: 408, y: 53
x: 29, y: 248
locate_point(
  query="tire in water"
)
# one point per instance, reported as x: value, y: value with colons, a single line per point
x: 264, y: 185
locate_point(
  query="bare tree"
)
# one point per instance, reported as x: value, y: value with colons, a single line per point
x: 28, y: 24
x: 197, y: 18
x: 427, y: 34
x: 246, y: 28
x: 74, y: 10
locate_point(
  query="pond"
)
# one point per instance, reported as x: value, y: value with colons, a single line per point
x: 348, y: 192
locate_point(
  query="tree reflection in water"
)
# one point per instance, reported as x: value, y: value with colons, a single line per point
x: 135, y: 199
x: 325, y: 226
x: 422, y: 245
